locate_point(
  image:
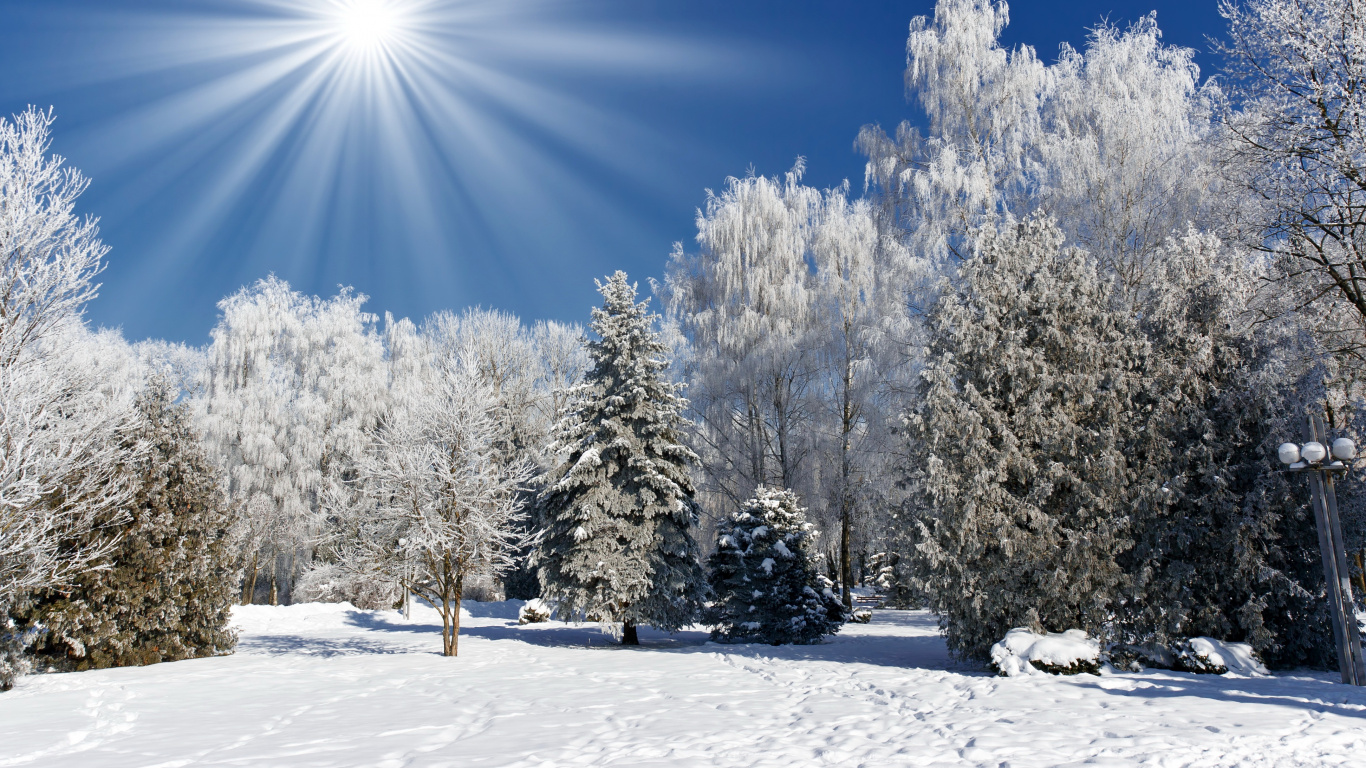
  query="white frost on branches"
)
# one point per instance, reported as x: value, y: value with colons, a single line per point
x: 59, y: 471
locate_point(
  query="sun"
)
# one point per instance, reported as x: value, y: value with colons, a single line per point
x: 368, y: 25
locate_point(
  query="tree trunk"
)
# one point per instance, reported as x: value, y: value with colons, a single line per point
x: 1361, y: 576
x: 249, y: 583
x: 451, y: 595
x: 845, y: 570
x: 445, y: 625
x: 848, y: 417
x: 628, y: 633
x: 274, y: 583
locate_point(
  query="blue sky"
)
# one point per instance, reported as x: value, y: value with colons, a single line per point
x: 504, y: 154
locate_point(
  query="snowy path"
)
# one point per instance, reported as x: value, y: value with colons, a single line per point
x: 326, y: 685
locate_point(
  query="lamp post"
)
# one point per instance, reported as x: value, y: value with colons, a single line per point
x: 1320, y: 463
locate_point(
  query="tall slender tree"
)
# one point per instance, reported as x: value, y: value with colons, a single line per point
x: 619, y: 510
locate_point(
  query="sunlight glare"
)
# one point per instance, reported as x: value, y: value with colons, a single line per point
x: 368, y: 24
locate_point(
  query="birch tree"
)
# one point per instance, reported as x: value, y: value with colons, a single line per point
x: 1115, y: 140
x: 444, y: 506
x: 747, y: 304
x: 294, y: 386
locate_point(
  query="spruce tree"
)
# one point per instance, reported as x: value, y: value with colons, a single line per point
x: 766, y: 587
x: 619, y: 510
x: 165, y: 591
x: 1030, y: 386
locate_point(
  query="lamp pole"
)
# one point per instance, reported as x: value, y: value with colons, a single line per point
x: 1314, y: 459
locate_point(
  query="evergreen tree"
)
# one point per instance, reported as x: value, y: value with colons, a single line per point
x: 618, y: 511
x: 164, y: 592
x: 1029, y: 393
x: 1224, y: 545
x: 767, y: 587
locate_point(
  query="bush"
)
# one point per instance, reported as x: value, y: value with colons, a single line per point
x: 536, y: 611
x: 329, y: 583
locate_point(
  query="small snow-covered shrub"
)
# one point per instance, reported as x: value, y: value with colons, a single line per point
x: 484, y: 589
x: 535, y: 611
x: 1023, y: 652
x: 1205, y: 655
x: 328, y: 583
x: 861, y: 616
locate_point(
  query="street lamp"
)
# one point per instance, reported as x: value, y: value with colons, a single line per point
x: 1312, y: 459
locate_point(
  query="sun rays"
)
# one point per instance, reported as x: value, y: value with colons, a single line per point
x: 404, y: 146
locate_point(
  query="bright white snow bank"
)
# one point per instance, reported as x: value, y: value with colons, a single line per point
x: 1214, y: 655
x: 330, y: 686
x: 1023, y: 652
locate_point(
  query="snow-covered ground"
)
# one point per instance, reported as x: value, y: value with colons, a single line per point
x: 327, y: 685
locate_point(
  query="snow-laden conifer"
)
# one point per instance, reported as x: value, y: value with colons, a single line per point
x: 618, y: 512
x: 765, y: 584
x: 1028, y: 390
x: 1223, y: 543
x: 164, y: 592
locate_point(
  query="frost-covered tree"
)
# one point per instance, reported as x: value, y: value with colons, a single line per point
x: 441, y: 504
x: 1029, y: 391
x: 294, y: 386
x: 49, y: 256
x: 747, y: 306
x: 1127, y: 160
x: 861, y: 309
x: 983, y: 109
x: 1224, y: 545
x: 619, y: 510
x: 765, y: 585
x: 163, y: 592
x: 1115, y: 140
x: 59, y: 432
x: 1299, y: 147
x: 795, y: 314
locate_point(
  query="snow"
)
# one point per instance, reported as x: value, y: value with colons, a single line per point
x: 1238, y: 658
x: 1014, y: 654
x: 329, y: 685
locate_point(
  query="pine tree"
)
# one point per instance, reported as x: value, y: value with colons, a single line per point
x: 618, y: 545
x: 1029, y: 394
x: 766, y: 586
x: 165, y: 591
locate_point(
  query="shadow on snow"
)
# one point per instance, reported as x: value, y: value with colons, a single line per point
x: 922, y: 651
x: 280, y: 645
